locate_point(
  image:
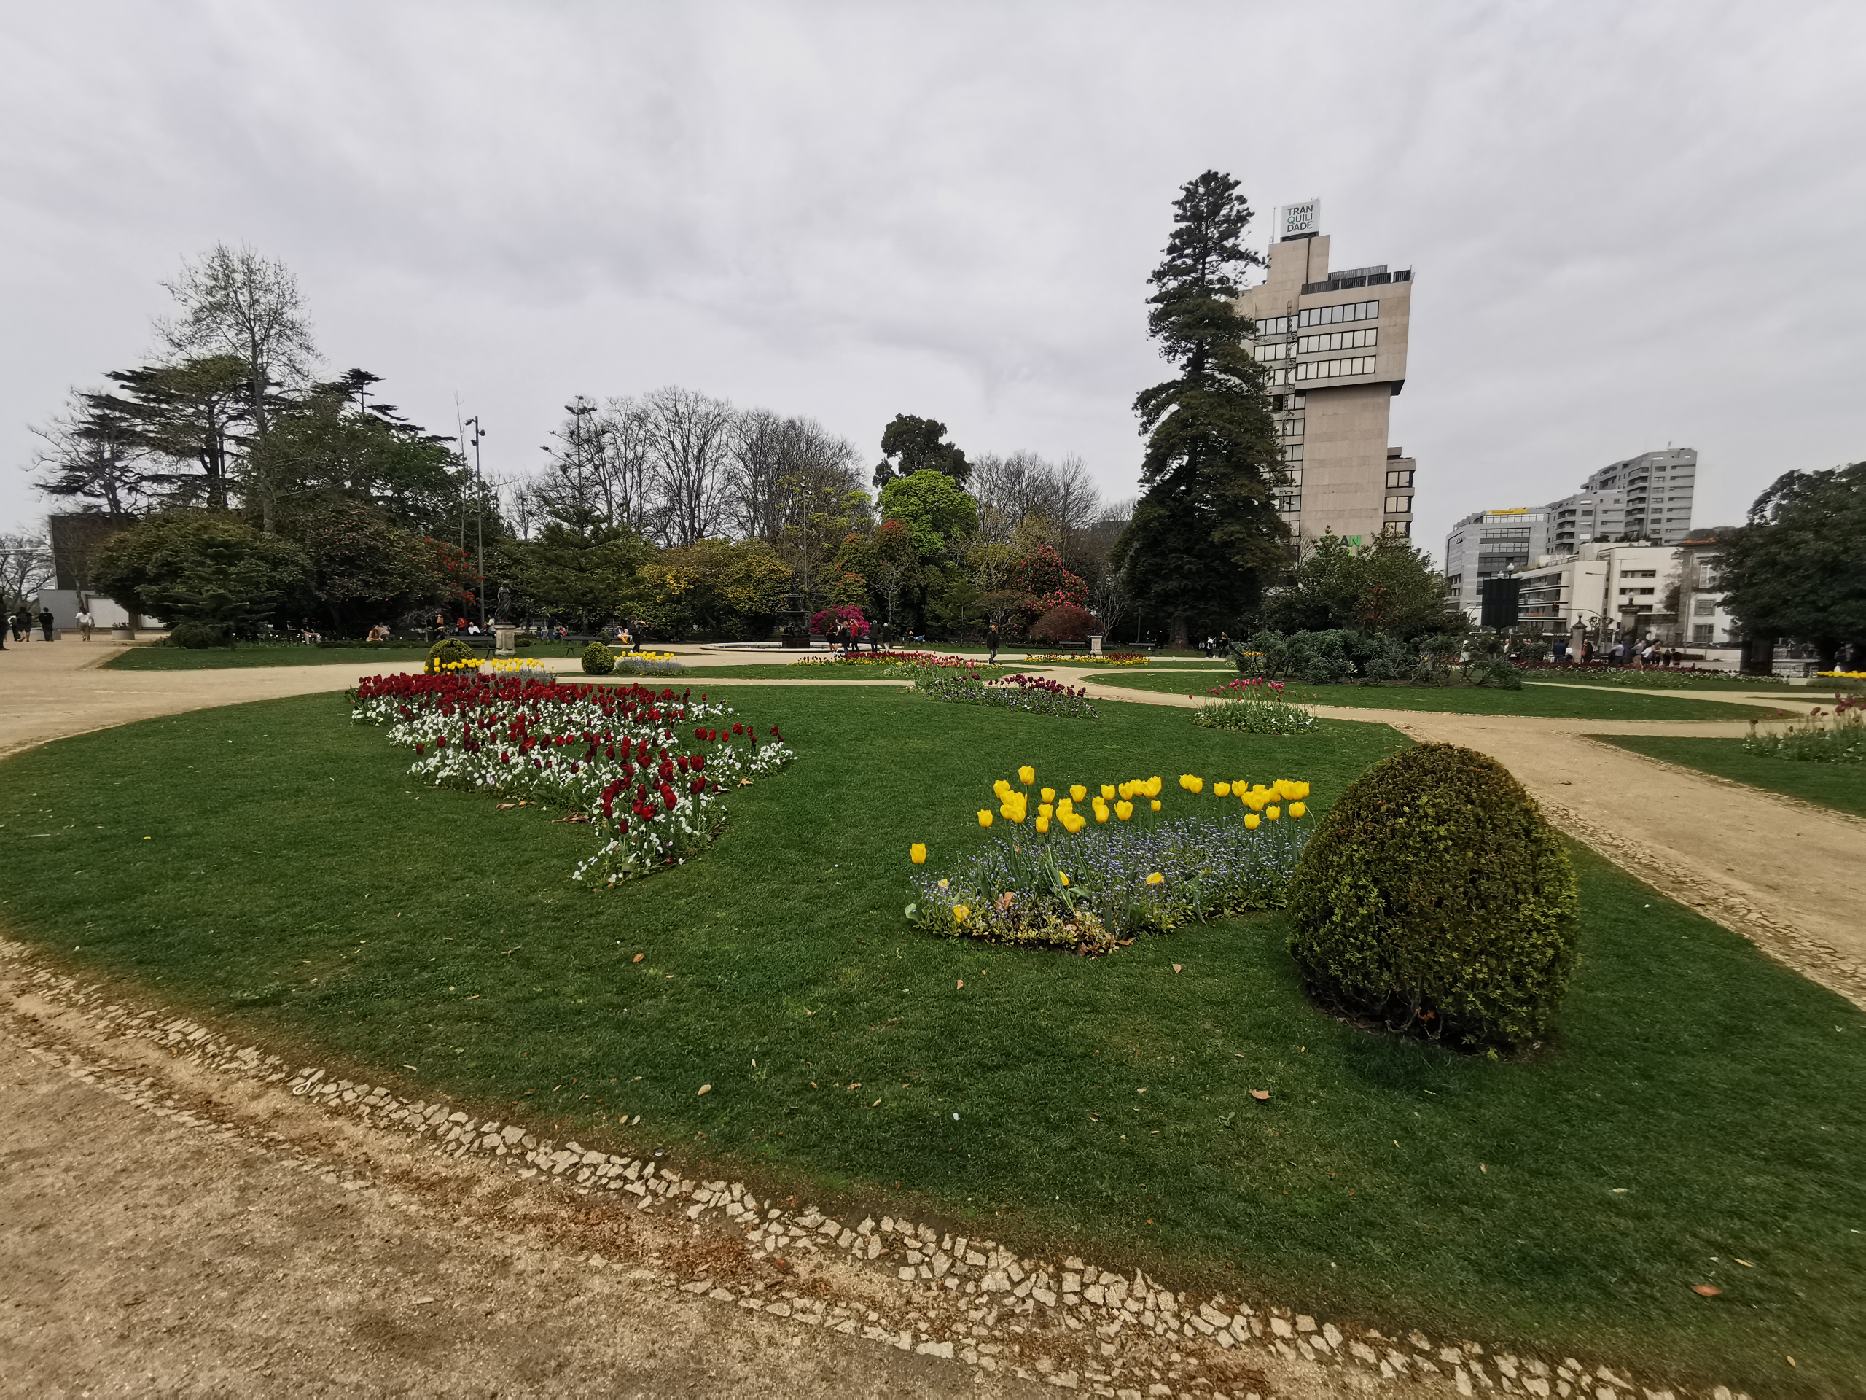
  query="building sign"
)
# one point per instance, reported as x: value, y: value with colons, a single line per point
x: 1509, y: 510
x: 1296, y: 220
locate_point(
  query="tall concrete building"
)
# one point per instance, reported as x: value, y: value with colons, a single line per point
x: 1335, y: 346
x: 1647, y: 497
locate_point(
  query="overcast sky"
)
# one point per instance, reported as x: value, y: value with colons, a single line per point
x: 1631, y: 225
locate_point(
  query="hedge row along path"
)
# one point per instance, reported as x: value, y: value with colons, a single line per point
x: 313, y: 1247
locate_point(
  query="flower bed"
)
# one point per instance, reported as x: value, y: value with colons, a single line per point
x: 646, y: 768
x: 1037, y: 695
x: 898, y: 663
x: 1256, y: 714
x: 1083, y: 658
x: 1090, y: 868
x: 1822, y: 737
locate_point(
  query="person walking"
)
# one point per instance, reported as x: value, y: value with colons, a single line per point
x: 45, y: 621
x: 85, y: 623
x: 991, y: 643
x: 21, y: 624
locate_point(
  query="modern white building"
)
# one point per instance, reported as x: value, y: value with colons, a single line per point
x: 1487, y: 543
x: 1647, y: 497
x: 1608, y: 589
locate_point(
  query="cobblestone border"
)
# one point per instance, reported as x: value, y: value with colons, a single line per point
x: 1069, y: 1324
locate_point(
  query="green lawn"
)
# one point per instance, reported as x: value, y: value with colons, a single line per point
x: 1553, y: 702
x: 1702, y: 1105
x: 164, y: 658
x: 1668, y: 680
x: 1837, y: 785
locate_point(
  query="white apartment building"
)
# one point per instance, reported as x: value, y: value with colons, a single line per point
x: 1608, y: 589
x: 1647, y: 497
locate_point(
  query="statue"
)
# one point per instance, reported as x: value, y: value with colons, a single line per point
x: 503, y: 611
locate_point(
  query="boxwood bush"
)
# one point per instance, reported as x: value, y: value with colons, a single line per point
x: 446, y: 652
x: 1436, y: 898
x: 598, y: 660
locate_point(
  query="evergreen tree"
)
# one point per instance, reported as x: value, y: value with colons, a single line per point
x: 1205, y: 537
x: 911, y: 444
x: 1798, y: 567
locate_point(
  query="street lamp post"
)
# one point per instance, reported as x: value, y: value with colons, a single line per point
x: 479, y: 517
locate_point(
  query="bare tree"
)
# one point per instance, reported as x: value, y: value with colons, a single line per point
x: 754, y: 507
x: 236, y: 302
x: 688, y: 438
x: 1022, y: 489
x: 25, y: 568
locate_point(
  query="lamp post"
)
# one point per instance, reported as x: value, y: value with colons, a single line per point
x: 479, y: 517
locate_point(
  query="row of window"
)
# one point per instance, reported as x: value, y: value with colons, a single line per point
x: 1322, y: 369
x: 1401, y: 476
x: 1402, y: 528
x: 1338, y: 340
x: 1320, y: 316
x: 1399, y: 505
x: 1639, y: 573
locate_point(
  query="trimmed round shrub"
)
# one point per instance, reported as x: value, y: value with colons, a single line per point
x: 1436, y: 898
x: 598, y: 660
x: 449, y: 651
x: 200, y: 634
x: 1064, y: 623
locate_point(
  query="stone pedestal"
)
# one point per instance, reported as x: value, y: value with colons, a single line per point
x: 1095, y: 644
x: 504, y: 639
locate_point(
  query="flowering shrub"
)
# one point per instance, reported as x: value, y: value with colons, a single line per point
x: 1106, y: 658
x: 447, y: 652
x: 1822, y: 737
x: 824, y: 623
x: 646, y: 663
x: 646, y: 769
x: 1092, y: 878
x: 1037, y: 695
x: 1256, y: 714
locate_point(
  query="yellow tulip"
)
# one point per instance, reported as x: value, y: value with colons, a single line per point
x: 1101, y: 812
x: 1221, y: 789
x: 1064, y: 878
x: 917, y: 853
x: 1107, y: 791
x: 1049, y: 794
x: 1153, y: 786
x: 1043, y: 823
x: 1302, y: 790
x: 1077, y: 792
x: 1075, y: 823
x: 1251, y: 819
x: 1046, y: 809
x: 1026, y: 775
x: 1297, y: 809
x: 1156, y: 804
x: 1124, y: 809
x: 1195, y: 784
x: 984, y: 816
x: 1273, y: 812
x: 961, y: 912
x: 1156, y: 878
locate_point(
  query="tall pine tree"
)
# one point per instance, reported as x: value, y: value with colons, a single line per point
x: 1206, y: 537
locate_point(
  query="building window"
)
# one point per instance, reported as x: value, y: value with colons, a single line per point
x: 1703, y: 607
x: 1402, y: 528
x: 1289, y: 505
x: 1338, y: 340
x: 1330, y: 369
x: 1292, y: 453
x: 1399, y: 505
x: 1291, y: 427
x: 1399, y: 478
x: 1335, y: 315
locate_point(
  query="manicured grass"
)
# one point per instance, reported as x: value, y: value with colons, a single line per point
x: 163, y: 658
x: 1667, y: 680
x: 1702, y: 1104
x: 1838, y: 785
x: 1552, y: 702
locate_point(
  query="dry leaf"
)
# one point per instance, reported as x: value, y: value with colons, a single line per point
x: 704, y: 1089
x: 961, y: 985
x: 1484, y: 1169
x: 875, y: 1104
x: 638, y: 957
x: 1706, y: 1290
x: 1261, y: 1095
x: 1744, y: 1262
x: 1179, y: 967
x: 507, y: 806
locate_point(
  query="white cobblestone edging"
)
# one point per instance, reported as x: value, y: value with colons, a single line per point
x: 935, y: 1293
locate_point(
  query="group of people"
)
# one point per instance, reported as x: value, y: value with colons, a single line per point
x: 1217, y: 646
x: 847, y: 637
x: 20, y: 624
